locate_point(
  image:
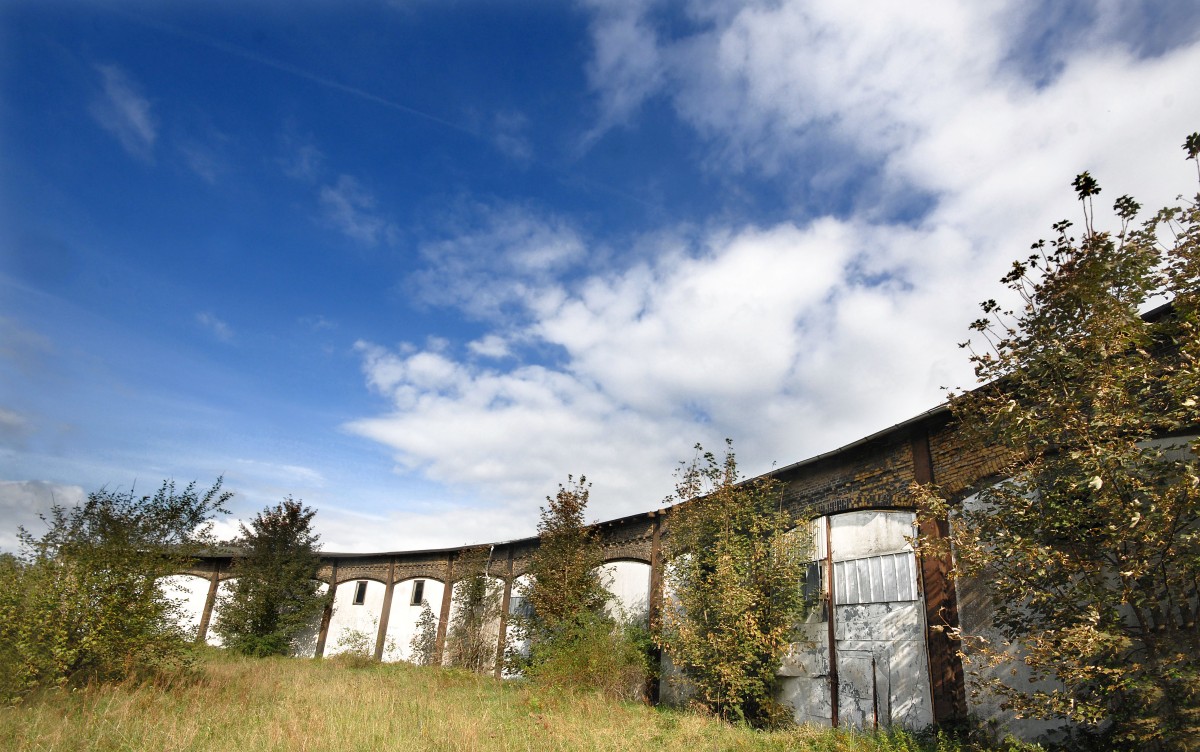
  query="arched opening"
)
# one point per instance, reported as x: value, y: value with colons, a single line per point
x: 409, y: 598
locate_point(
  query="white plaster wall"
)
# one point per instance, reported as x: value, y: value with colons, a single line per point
x: 347, y: 616
x: 629, y: 582
x: 402, y: 621
x: 305, y: 645
x: 189, y: 593
x: 224, y: 592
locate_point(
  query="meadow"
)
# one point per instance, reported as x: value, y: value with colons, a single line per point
x: 228, y: 703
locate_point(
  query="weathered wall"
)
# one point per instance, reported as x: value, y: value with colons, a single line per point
x: 879, y: 665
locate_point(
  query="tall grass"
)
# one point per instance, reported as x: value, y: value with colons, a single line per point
x: 231, y: 704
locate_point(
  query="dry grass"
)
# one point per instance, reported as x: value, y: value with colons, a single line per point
x: 232, y: 704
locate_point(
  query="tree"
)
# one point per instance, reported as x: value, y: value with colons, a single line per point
x: 82, y: 603
x: 573, y: 642
x: 564, y: 578
x: 471, y: 641
x: 275, y: 597
x: 1091, y: 546
x: 736, y: 574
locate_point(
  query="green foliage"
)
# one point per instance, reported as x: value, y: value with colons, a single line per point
x: 423, y: 645
x: 473, y: 633
x: 592, y: 651
x: 1091, y: 548
x: 736, y: 577
x: 573, y: 642
x: 356, y: 647
x: 564, y: 576
x: 275, y: 598
x: 82, y: 603
x: 564, y: 580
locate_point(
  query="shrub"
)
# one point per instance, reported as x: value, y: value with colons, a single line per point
x: 736, y: 578
x: 82, y: 603
x: 592, y: 652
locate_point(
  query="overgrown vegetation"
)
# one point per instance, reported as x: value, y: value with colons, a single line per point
x: 736, y: 577
x: 423, y: 646
x: 572, y: 640
x: 82, y: 604
x: 293, y: 705
x: 472, y: 637
x: 1091, y: 548
x: 275, y: 598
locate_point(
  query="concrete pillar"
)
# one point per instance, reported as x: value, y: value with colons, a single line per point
x: 439, y: 646
x: 209, y: 601
x: 505, y: 602
x: 381, y: 638
x: 947, y: 686
x: 654, y: 603
x: 327, y: 614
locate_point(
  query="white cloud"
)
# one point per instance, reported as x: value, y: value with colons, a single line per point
x: 626, y: 67
x: 12, y: 422
x: 352, y: 209
x: 793, y: 338
x: 203, y: 161
x: 22, y: 503
x: 502, y: 260
x: 281, y: 473
x: 491, y: 346
x: 125, y: 113
x: 216, y: 326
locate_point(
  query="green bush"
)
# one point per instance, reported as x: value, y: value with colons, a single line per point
x: 591, y: 652
x: 736, y: 579
x: 83, y: 604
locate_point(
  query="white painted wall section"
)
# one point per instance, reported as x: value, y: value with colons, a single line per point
x: 349, y: 618
x: 402, y: 622
x: 629, y: 582
x: 188, y: 593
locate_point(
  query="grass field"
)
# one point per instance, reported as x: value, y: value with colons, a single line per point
x: 231, y: 704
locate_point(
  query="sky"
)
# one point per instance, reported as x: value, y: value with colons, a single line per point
x: 416, y: 262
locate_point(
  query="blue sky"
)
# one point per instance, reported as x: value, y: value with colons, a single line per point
x: 415, y: 262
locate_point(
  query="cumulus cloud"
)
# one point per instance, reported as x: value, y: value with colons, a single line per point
x: 804, y: 335
x: 789, y: 339
x: 353, y: 210
x: 491, y: 346
x: 499, y: 261
x: 122, y: 111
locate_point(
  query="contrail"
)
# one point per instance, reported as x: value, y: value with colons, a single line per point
x: 293, y: 70
x: 329, y: 83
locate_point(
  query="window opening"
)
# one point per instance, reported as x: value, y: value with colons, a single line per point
x: 418, y: 592
x: 360, y: 593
